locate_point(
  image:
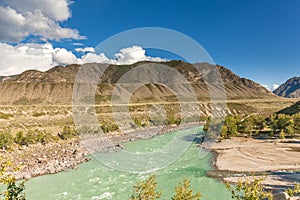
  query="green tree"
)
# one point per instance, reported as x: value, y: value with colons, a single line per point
x: 249, y: 190
x: 280, y: 122
x: 259, y: 122
x: 246, y: 125
x: 229, y: 129
x: 296, y: 119
x: 146, y: 190
x: 184, y: 192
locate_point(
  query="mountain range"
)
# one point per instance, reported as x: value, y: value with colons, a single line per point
x: 56, y: 85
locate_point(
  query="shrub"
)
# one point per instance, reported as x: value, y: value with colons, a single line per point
x: 6, y: 139
x: 68, y: 133
x: 183, y: 192
x: 20, y: 138
x: 13, y: 191
x: 293, y: 192
x: 109, y: 127
x: 146, y: 190
x: 249, y: 190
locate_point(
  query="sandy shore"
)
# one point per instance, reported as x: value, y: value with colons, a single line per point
x: 280, y: 160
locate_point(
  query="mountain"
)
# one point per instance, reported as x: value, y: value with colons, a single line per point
x: 56, y: 84
x: 293, y: 109
x: 290, y: 89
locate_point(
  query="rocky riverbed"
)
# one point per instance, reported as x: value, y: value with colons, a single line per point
x: 49, y: 158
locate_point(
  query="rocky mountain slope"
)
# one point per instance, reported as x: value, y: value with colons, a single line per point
x: 290, y: 89
x: 291, y: 110
x: 56, y: 85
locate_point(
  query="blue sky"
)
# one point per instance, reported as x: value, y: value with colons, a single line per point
x: 256, y: 39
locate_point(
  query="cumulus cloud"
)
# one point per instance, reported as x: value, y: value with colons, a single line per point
x: 16, y: 59
x: 19, y: 19
x: 86, y: 49
x: 126, y: 56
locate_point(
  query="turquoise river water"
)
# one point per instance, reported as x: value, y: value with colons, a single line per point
x: 92, y: 180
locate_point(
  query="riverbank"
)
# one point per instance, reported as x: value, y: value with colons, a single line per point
x: 50, y: 158
x: 238, y: 157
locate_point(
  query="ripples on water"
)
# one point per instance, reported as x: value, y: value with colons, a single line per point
x: 92, y: 180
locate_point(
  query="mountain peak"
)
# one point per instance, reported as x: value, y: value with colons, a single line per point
x: 290, y: 89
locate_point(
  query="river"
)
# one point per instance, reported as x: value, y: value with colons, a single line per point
x: 92, y: 180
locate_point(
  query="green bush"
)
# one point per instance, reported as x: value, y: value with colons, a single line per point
x: 13, y: 190
x: 6, y: 139
x: 68, y: 133
x: 184, y: 192
x: 20, y: 138
x: 146, y: 190
x: 249, y: 190
x: 109, y: 127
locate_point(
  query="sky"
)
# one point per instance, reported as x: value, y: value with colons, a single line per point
x: 257, y: 39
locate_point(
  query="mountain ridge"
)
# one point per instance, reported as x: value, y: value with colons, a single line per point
x: 56, y: 85
x: 289, y: 89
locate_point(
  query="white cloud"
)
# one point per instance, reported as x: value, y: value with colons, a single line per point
x: 271, y: 87
x: 16, y: 59
x: 54, y: 9
x: 64, y: 57
x: 19, y: 19
x: 91, y: 58
x: 77, y: 44
x: 86, y: 49
x: 132, y: 55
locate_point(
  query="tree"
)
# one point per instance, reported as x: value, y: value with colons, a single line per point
x: 249, y: 190
x: 246, y: 125
x: 229, y: 129
x: 146, y: 190
x: 183, y: 192
x: 13, y: 191
x: 280, y: 122
x: 296, y: 119
x: 259, y: 122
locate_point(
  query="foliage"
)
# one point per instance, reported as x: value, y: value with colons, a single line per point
x: 109, y: 127
x: 6, y: 139
x: 146, y: 190
x: 230, y: 127
x: 13, y: 191
x: 249, y: 190
x: 183, y: 192
x: 246, y: 125
x: 296, y: 119
x: 295, y: 191
x: 68, y: 133
x: 280, y: 122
